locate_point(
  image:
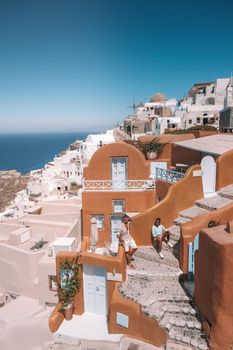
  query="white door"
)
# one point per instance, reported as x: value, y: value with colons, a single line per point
x: 95, y: 295
x: 208, y: 167
x: 119, y: 172
x: 115, y: 222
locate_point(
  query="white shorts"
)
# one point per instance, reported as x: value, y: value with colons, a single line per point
x: 129, y: 244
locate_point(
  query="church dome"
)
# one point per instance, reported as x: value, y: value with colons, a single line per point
x: 158, y: 97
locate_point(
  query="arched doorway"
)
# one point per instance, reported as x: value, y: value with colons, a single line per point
x: 208, y: 167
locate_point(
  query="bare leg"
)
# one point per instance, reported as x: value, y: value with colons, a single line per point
x: 166, y: 236
x: 133, y: 251
x: 128, y: 257
x: 159, y: 241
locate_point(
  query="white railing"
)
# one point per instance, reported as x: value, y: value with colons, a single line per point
x: 167, y: 175
x: 126, y: 185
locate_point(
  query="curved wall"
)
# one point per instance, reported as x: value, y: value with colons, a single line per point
x: 213, y: 285
x: 99, y: 166
x: 180, y: 196
x: 224, y: 175
x: 190, y: 229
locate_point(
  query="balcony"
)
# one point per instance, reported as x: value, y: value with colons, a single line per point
x: 118, y: 186
x: 167, y: 175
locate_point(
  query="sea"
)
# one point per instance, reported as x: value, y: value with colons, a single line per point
x: 25, y: 152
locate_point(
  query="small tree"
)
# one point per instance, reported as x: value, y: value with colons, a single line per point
x: 69, y: 284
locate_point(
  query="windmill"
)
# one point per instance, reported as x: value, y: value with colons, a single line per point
x: 134, y: 106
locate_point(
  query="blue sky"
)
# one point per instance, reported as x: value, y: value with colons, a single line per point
x: 72, y: 65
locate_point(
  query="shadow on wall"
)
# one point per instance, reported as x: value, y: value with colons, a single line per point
x: 139, y: 326
x: 190, y: 229
x: 224, y: 165
x: 180, y: 196
x: 213, y: 286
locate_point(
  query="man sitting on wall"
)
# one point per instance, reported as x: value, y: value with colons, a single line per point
x: 160, y: 234
x: 127, y: 240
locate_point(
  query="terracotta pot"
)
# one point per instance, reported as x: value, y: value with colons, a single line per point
x: 151, y: 155
x: 68, y: 311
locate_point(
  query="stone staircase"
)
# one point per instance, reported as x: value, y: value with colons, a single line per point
x: 156, y: 285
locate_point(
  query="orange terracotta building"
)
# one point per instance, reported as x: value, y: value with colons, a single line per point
x: 116, y: 180
x: 213, y: 285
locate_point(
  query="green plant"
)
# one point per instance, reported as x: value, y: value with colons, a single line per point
x: 69, y: 284
x: 175, y: 131
x: 152, y: 146
x: 203, y: 128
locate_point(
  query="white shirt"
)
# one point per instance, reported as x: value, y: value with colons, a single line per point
x: 158, y: 230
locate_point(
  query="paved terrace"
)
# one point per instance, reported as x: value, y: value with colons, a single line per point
x: 55, y: 219
x: 214, y: 144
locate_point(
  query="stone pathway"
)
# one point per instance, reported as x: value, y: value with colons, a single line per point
x: 155, y: 283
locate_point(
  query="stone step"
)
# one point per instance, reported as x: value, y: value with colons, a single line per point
x: 175, y: 232
x: 227, y: 192
x: 128, y: 343
x: 193, y: 212
x: 178, y: 308
x: 171, y: 345
x: 213, y: 203
x: 150, y: 255
x: 150, y: 292
x: 181, y: 220
x: 180, y: 320
x: 188, y: 337
x: 165, y: 268
x: 160, y: 309
x: 98, y: 345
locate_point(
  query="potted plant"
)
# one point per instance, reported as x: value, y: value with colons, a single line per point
x: 69, y: 286
x: 152, y: 148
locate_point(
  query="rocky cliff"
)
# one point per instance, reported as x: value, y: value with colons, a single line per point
x: 11, y: 182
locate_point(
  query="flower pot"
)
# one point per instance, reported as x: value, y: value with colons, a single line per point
x: 68, y: 311
x: 151, y: 155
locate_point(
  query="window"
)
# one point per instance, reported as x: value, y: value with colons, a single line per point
x: 118, y: 206
x: 190, y: 121
x: 52, y: 283
x: 100, y: 220
x: 198, y: 120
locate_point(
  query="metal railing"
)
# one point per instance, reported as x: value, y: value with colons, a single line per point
x: 121, y: 185
x: 167, y: 175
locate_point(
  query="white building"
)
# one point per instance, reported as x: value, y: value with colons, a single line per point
x: 93, y: 142
x: 203, y: 104
x: 163, y: 123
x: 157, y: 102
x: 152, y: 117
x: 66, y: 170
x: 28, y: 266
